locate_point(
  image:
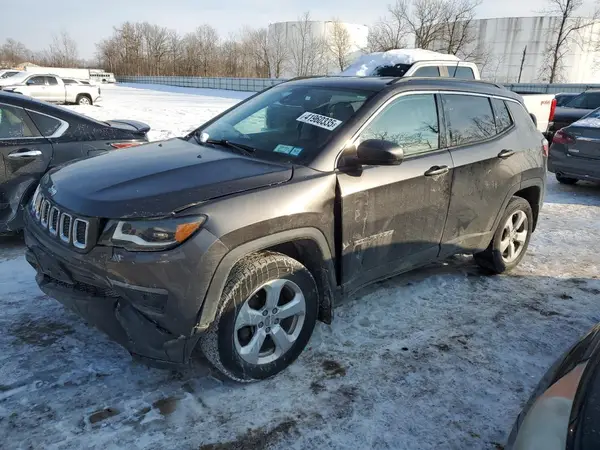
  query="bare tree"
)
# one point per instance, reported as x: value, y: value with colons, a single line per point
x: 277, y: 50
x: 308, y: 51
x: 62, y: 51
x: 388, y: 33
x: 456, y: 33
x: 13, y: 53
x: 567, y: 31
x: 257, y: 43
x: 340, y: 44
x: 423, y: 18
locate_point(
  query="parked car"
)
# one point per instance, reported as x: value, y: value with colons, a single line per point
x: 425, y: 63
x: 51, y: 88
x: 37, y: 136
x: 8, y: 73
x: 562, y: 412
x: 563, y: 99
x: 575, y: 151
x: 577, y: 108
x: 245, y: 232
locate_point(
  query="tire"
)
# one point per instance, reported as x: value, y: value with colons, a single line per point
x: 83, y: 100
x: 566, y: 180
x: 497, y: 257
x: 244, y: 300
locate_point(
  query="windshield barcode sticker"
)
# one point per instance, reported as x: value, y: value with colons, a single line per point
x: 319, y: 121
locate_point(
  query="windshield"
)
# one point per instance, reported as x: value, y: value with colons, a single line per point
x: 289, y: 122
x: 17, y: 78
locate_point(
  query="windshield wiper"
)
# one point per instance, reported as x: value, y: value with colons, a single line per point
x: 241, y: 148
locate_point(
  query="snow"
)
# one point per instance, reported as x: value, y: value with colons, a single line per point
x: 441, y: 358
x: 365, y: 65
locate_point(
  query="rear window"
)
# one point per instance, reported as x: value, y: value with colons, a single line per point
x: 464, y: 73
x: 470, y: 118
x: 14, y: 123
x: 501, y: 115
x: 431, y: 71
x: 46, y: 124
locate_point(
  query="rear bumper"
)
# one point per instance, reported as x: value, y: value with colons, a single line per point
x: 568, y: 166
x: 147, y: 302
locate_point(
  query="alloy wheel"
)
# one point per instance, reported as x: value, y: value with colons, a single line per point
x: 514, y: 236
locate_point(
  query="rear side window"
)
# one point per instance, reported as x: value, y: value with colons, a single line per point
x: 464, y: 73
x: 502, y: 116
x: 51, y: 81
x: 67, y: 81
x: 46, y: 124
x: 470, y: 118
x: 431, y: 71
x: 14, y: 123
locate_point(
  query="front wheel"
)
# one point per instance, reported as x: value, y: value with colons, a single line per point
x: 267, y: 314
x: 510, y: 240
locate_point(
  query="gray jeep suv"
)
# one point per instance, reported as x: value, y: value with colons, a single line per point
x: 241, y: 235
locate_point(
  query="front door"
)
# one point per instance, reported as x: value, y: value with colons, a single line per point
x: 393, y: 216
x: 36, y: 88
x: 24, y: 158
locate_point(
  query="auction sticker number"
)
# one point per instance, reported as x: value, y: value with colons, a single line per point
x: 319, y: 121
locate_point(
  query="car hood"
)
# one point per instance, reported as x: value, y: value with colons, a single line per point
x: 157, y: 179
x: 569, y: 114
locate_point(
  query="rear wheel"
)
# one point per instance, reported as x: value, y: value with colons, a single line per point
x: 267, y: 315
x: 83, y: 100
x: 566, y: 180
x: 510, y: 240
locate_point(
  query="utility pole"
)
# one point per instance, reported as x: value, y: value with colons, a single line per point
x: 522, y: 63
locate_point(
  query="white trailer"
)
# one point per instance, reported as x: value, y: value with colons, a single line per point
x: 78, y: 74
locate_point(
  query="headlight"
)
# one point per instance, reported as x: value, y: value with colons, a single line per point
x: 150, y: 235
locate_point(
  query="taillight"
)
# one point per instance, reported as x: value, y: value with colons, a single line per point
x: 125, y: 144
x: 552, y: 110
x: 545, y: 146
x: 562, y: 137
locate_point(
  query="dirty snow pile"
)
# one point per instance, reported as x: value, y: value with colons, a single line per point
x: 367, y: 64
x: 440, y: 358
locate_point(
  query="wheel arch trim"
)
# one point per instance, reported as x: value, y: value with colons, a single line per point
x: 212, y: 298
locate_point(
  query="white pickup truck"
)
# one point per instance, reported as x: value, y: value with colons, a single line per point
x: 425, y: 63
x: 51, y: 88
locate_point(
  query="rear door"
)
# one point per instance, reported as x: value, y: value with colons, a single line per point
x: 393, y: 216
x: 56, y: 90
x: 489, y: 159
x: 24, y: 158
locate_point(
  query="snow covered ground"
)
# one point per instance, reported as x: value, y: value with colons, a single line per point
x: 442, y: 358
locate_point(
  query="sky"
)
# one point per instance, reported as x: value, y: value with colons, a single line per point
x: 89, y: 22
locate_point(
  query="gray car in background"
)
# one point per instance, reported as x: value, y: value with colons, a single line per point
x: 575, y: 151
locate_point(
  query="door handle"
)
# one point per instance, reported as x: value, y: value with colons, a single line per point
x: 25, y: 154
x: 506, y: 154
x: 437, y: 170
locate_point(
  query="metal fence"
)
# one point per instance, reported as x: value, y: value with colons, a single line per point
x: 258, y: 84
x: 229, y: 84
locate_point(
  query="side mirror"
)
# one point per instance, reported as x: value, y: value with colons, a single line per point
x: 378, y: 152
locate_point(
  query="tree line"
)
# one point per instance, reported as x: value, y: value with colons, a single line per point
x: 142, y: 48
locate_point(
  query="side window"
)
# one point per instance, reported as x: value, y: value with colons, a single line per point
x: 14, y: 123
x: 51, y: 81
x: 410, y: 121
x: 431, y: 71
x: 464, y: 73
x: 68, y: 81
x: 502, y: 116
x: 46, y: 124
x: 36, y: 81
x: 593, y: 101
x: 470, y: 118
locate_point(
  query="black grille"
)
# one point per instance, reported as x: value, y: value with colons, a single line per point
x: 89, y: 289
x: 80, y: 231
x: 53, y: 224
x: 66, y: 227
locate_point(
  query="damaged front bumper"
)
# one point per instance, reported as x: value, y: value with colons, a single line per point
x: 147, y: 302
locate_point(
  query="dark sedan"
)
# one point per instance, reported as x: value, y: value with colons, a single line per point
x: 564, y: 411
x: 574, y: 110
x: 575, y: 151
x: 36, y: 136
